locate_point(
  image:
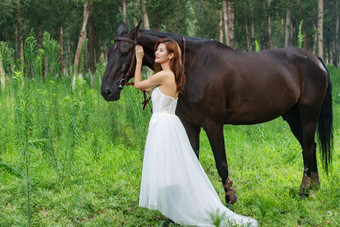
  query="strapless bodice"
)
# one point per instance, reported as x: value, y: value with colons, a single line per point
x: 163, y: 103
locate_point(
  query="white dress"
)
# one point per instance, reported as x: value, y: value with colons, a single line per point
x: 173, y: 180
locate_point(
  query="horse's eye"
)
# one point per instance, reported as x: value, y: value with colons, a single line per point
x: 123, y: 54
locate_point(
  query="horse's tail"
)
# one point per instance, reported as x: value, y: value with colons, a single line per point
x: 325, y: 125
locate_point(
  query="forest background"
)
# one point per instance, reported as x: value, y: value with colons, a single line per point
x: 238, y: 23
x: 67, y: 157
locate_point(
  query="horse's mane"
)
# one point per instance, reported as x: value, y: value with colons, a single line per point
x: 173, y: 36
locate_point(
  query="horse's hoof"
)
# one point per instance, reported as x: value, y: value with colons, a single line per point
x: 314, y: 178
x: 231, y: 198
x: 305, y: 187
x: 304, y: 194
x: 167, y: 222
x: 230, y: 193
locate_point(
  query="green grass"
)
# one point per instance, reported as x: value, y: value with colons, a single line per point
x: 88, y: 170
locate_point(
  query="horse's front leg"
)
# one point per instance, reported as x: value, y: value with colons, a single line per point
x: 215, y: 135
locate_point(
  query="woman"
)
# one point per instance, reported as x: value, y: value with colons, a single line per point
x: 173, y: 180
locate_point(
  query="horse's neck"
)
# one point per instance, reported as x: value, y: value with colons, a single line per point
x: 148, y: 41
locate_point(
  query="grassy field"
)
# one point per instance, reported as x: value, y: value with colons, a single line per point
x: 72, y: 159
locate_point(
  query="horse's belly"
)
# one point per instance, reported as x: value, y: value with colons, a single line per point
x: 250, y: 119
x: 254, y: 113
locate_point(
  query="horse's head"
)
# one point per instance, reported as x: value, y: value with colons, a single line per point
x: 121, y: 63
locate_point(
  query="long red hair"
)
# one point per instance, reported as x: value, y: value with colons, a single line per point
x: 175, y: 63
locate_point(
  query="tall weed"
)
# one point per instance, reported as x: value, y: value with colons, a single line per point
x: 137, y: 118
x: 301, y: 37
x: 100, y: 70
x: 24, y: 127
x: 44, y: 127
x: 30, y: 55
x: 52, y: 49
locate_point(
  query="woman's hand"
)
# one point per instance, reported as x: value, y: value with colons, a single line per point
x: 148, y: 90
x: 139, y: 53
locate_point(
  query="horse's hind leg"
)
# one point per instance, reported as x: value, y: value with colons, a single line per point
x: 215, y: 135
x: 304, y: 131
x: 309, y: 119
x: 193, y: 132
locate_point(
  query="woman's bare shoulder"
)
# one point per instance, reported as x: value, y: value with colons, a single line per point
x: 164, y: 75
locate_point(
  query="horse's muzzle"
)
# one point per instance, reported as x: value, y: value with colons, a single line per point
x: 110, y: 94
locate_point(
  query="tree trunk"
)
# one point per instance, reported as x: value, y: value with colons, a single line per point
x: 288, y: 21
x: 21, y: 52
x: 124, y: 11
x: 105, y: 50
x: 231, y: 20
x: 86, y: 60
x: 149, y: 71
x: 291, y: 33
x: 20, y: 37
x: 97, y: 48
x: 2, y: 74
x: 328, y: 52
x: 220, y: 28
x: 40, y: 32
x: 40, y: 35
x: 145, y: 15
x: 270, y: 26
x: 68, y: 53
x: 262, y: 32
x: 16, y: 44
x: 336, y: 46
x: 252, y: 28
x: 8, y: 38
x: 320, y: 28
x: 61, y: 50
x: 82, y: 36
x: 91, y: 50
x: 247, y: 28
x: 315, y: 39
x: 238, y: 40
x: 226, y: 23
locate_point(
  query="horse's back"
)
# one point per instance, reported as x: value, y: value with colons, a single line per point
x: 254, y: 87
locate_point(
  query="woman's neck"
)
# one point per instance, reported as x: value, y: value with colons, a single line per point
x: 165, y: 66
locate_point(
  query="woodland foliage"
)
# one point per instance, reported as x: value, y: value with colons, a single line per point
x: 253, y: 20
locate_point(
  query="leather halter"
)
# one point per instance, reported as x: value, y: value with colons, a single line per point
x: 122, y: 82
x: 134, y: 42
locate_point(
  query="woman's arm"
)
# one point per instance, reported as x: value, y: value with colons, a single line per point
x: 153, y: 81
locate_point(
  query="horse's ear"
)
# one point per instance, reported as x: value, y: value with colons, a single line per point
x: 135, y: 31
x: 121, y: 27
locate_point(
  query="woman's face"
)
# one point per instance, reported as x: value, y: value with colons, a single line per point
x: 161, y: 54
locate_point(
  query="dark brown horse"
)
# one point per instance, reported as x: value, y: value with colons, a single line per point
x: 225, y: 86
